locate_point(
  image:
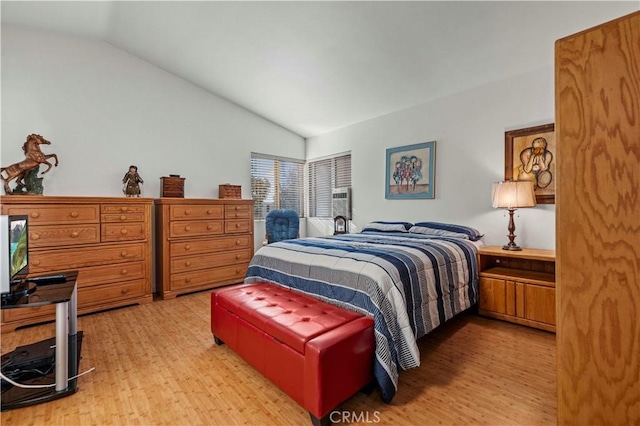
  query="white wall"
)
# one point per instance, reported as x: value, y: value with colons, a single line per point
x: 104, y: 109
x: 469, y: 129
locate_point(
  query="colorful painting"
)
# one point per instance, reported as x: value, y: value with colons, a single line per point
x: 411, y: 171
x: 530, y: 154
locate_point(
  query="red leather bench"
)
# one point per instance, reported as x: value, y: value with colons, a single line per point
x: 319, y: 354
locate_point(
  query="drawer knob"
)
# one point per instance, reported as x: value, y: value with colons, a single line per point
x: 123, y: 209
x: 187, y: 280
x: 123, y: 217
x: 187, y: 228
x: 237, y: 208
x: 209, y: 227
x: 36, y: 262
x: 123, y: 253
x: 187, y: 212
x: 34, y: 236
x: 237, y: 225
x: 209, y: 211
x: 187, y: 263
x: 237, y: 242
x: 74, y: 214
x: 124, y: 272
x: 124, y: 291
x: 187, y: 247
x: 74, y: 234
x: 124, y: 231
x: 238, y: 257
x: 35, y: 215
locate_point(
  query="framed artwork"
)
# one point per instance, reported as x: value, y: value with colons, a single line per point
x: 411, y: 171
x: 530, y: 154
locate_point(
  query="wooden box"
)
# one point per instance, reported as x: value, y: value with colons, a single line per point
x: 230, y: 191
x: 172, y: 186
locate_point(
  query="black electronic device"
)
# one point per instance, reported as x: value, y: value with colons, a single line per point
x: 35, y: 357
x: 48, y: 279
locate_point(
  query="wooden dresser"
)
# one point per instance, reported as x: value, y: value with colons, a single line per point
x: 518, y: 286
x: 108, y: 240
x: 201, y: 243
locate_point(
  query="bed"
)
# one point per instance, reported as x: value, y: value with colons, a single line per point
x: 410, y: 278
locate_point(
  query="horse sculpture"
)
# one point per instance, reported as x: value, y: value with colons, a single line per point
x: 34, y: 157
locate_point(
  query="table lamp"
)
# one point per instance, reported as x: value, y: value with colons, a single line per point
x: 512, y: 195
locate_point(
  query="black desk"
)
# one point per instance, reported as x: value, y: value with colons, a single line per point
x: 67, y: 345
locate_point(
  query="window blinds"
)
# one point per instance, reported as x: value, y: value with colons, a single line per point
x: 323, y: 176
x: 276, y: 183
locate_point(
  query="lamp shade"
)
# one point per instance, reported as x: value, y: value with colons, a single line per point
x: 513, y: 194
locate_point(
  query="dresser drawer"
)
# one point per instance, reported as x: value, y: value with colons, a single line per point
x: 122, y: 208
x: 113, y: 292
x: 226, y: 274
x: 87, y: 297
x: 190, y: 228
x: 237, y: 226
x: 122, y: 217
x: 56, y: 215
x: 124, y: 232
x: 180, y: 248
x: 193, y: 263
x: 237, y: 212
x: 112, y: 273
x: 63, y: 235
x: 39, y: 312
x: 191, y: 212
x: 46, y: 261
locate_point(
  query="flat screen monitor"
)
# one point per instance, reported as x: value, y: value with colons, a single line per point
x: 14, y: 232
x: 18, y: 246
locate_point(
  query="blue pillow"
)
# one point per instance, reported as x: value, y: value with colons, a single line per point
x: 472, y: 233
x: 382, y: 226
x: 437, y: 232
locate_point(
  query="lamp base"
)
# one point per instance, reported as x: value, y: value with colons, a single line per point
x: 512, y: 247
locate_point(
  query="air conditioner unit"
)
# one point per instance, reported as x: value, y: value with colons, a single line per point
x: 341, y: 202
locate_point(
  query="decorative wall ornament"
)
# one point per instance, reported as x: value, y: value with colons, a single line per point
x: 411, y: 171
x: 530, y: 154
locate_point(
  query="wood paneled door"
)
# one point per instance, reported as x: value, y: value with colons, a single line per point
x: 598, y: 224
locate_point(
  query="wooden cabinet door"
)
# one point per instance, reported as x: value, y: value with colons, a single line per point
x: 493, y: 295
x: 540, y: 304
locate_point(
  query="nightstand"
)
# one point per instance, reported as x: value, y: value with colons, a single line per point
x: 518, y: 286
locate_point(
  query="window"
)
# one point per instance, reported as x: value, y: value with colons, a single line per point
x: 276, y: 183
x: 324, y: 175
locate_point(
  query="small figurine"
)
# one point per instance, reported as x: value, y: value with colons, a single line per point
x: 132, y: 181
x: 28, y: 167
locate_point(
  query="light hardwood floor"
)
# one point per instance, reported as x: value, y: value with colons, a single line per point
x: 157, y: 364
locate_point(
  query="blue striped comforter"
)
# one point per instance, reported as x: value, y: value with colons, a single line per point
x: 409, y: 284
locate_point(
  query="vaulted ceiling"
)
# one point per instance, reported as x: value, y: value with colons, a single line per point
x: 313, y: 67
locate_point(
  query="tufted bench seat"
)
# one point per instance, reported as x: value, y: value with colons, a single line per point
x: 319, y: 354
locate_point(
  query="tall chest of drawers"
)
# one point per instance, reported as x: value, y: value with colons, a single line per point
x: 107, y: 239
x: 201, y: 243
